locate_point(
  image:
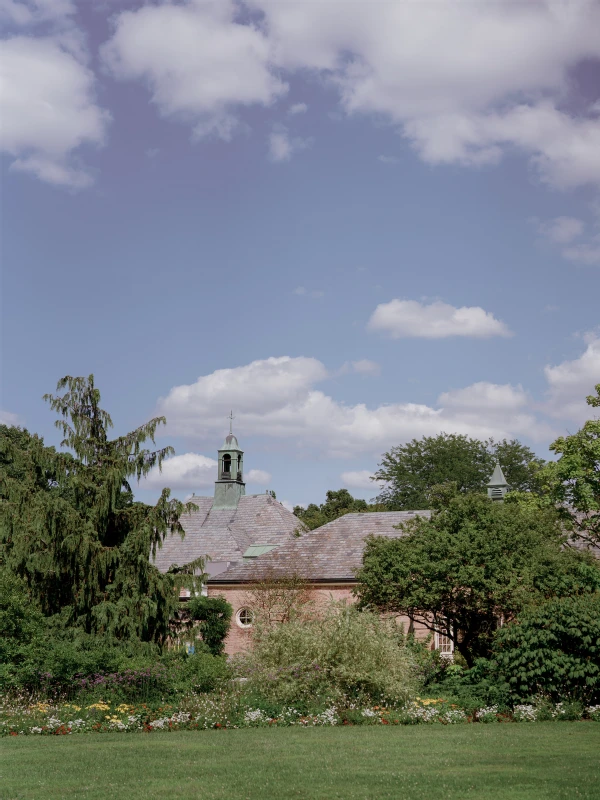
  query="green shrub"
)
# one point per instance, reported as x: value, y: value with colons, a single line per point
x: 344, y: 654
x: 471, y: 689
x: 214, y: 616
x: 553, y: 650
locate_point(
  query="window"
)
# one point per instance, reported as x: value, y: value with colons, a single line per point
x: 227, y: 464
x: 245, y: 618
x: 445, y: 645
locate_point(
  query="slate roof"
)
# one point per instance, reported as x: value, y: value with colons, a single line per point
x: 330, y: 553
x: 225, y: 534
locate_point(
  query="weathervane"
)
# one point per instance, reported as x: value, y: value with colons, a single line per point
x: 231, y: 418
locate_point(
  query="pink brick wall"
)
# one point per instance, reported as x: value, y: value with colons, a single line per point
x: 239, y: 639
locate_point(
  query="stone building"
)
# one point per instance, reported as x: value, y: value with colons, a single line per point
x: 252, y: 538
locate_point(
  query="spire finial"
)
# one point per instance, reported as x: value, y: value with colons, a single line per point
x: 231, y: 418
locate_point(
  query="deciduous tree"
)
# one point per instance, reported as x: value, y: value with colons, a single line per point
x: 472, y: 565
x: 410, y: 471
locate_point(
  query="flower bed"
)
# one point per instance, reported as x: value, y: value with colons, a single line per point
x: 229, y: 710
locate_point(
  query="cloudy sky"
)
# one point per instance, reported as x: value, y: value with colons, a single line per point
x: 353, y: 222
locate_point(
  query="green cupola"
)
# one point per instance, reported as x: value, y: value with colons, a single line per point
x: 497, y: 486
x: 230, y: 486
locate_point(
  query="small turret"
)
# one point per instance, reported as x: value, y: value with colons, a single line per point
x: 230, y: 486
x: 497, y: 486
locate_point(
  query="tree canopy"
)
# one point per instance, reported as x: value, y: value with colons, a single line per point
x: 69, y: 525
x: 336, y: 505
x: 474, y: 563
x: 573, y: 481
x: 410, y: 471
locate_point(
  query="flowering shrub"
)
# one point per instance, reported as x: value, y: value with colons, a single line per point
x: 593, y: 712
x: 487, y: 714
x: 345, y: 653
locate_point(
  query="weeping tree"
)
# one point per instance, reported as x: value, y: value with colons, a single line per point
x: 70, y: 527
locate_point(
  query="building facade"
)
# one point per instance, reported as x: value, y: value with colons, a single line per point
x: 252, y: 540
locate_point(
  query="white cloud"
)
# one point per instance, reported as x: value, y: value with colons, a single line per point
x: 193, y: 471
x: 587, y: 253
x: 388, y: 159
x: 8, y: 418
x: 31, y: 12
x: 360, y: 479
x: 485, y: 395
x: 366, y: 367
x: 187, y: 471
x: 464, y: 81
x: 571, y: 381
x: 282, y: 146
x: 561, y: 229
x: 565, y: 151
x: 199, y: 63
x: 259, y: 477
x: 501, y: 405
x: 277, y: 398
x: 409, y: 318
x: 49, y: 109
x: 298, y: 108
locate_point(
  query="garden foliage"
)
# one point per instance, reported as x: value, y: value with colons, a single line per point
x: 553, y: 649
x: 344, y: 653
x: 473, y: 563
x: 409, y: 472
x: 213, y: 617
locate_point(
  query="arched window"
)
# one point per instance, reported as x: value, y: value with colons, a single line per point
x: 245, y: 618
x: 226, y: 464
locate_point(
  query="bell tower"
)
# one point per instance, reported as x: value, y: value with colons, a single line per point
x: 230, y: 486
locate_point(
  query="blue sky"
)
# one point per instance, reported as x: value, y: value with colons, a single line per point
x: 353, y: 223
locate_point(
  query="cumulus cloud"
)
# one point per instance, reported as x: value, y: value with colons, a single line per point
x: 8, y: 418
x: 193, y: 471
x: 259, y: 477
x: 49, y: 109
x: 366, y: 367
x: 199, y: 62
x: 587, y: 253
x: 570, y: 382
x: 360, y: 479
x: 298, y: 108
x: 277, y: 397
x: 565, y: 151
x: 462, y: 80
x: 409, y: 318
x: 187, y: 471
x: 561, y: 229
x: 564, y: 231
x: 282, y: 146
x: 32, y: 12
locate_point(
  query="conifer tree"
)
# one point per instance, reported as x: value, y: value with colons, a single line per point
x: 69, y: 524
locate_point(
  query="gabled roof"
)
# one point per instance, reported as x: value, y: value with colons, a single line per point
x: 330, y: 553
x: 224, y: 534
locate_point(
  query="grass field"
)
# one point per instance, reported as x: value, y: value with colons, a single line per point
x: 529, y: 761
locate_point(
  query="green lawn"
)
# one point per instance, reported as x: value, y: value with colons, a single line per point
x: 538, y: 760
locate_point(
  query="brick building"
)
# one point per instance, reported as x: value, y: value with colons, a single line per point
x: 253, y: 538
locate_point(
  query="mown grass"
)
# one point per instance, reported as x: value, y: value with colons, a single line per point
x: 528, y: 761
